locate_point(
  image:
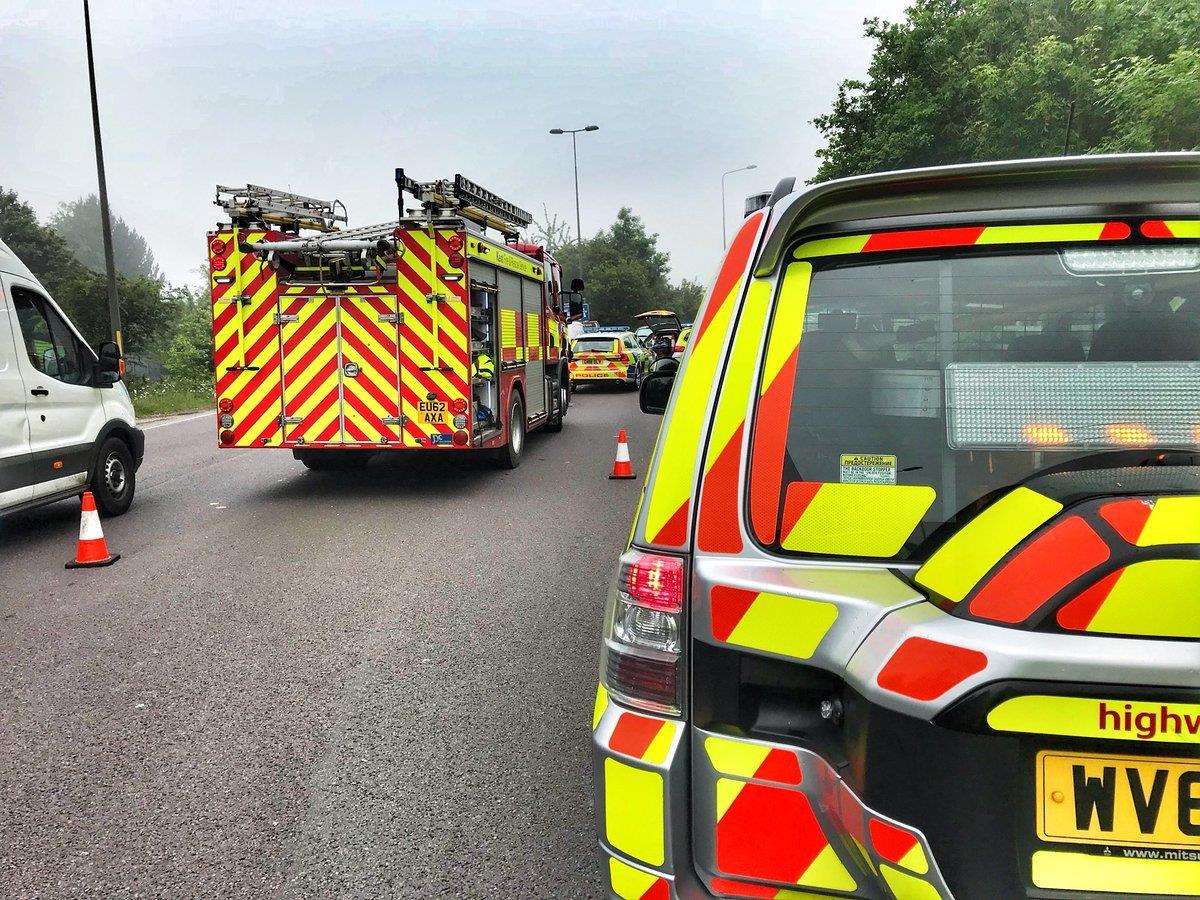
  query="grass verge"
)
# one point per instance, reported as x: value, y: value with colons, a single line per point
x: 164, y: 398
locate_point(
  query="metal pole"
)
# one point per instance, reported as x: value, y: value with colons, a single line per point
x: 575, y: 158
x: 114, y: 303
x: 724, y: 175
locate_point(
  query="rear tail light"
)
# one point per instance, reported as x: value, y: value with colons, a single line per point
x: 219, y: 263
x: 623, y: 357
x: 225, y: 405
x: 226, y: 436
x: 644, y: 632
x: 458, y: 405
x: 226, y: 420
x: 217, y: 247
x: 455, y: 259
x: 460, y: 439
x: 455, y: 242
x: 679, y: 348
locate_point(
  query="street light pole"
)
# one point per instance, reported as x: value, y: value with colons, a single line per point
x: 724, y: 175
x: 114, y: 303
x: 575, y: 159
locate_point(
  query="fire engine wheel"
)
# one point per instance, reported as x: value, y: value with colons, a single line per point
x: 555, y: 422
x: 113, y: 481
x: 326, y: 460
x: 509, y: 456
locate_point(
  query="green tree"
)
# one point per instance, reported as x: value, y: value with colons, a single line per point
x: 190, y: 354
x: 78, y: 223
x: 627, y: 273
x: 968, y: 80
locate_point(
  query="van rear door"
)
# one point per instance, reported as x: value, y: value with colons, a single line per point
x: 14, y: 424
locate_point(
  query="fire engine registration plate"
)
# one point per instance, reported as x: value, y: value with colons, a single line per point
x: 1087, y: 798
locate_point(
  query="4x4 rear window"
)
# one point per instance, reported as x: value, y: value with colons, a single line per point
x: 925, y: 383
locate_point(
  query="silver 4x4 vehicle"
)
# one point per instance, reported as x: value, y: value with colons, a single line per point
x: 911, y: 604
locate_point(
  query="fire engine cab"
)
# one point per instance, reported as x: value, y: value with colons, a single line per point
x: 426, y: 333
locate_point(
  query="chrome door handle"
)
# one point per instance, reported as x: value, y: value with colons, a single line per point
x: 40, y: 392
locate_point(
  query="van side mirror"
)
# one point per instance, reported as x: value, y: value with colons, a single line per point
x: 656, y: 387
x: 577, y: 285
x: 109, y: 365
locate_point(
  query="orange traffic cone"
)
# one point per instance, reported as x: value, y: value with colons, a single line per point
x: 622, y: 467
x: 92, y: 549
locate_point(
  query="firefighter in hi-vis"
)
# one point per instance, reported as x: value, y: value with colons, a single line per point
x: 423, y: 333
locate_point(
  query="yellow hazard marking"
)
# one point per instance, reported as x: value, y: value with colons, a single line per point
x: 1184, y: 228
x: 1095, y: 717
x: 1054, y: 870
x: 661, y: 745
x: 860, y: 519
x: 600, y: 706
x: 827, y: 871
x: 628, y: 882
x: 789, y: 626
x: 1040, y: 234
x: 914, y: 860
x: 1174, y: 520
x: 836, y: 246
x: 633, y: 811
x: 727, y: 792
x: 970, y: 553
x: 1155, y: 598
x: 787, y: 325
x: 730, y: 757
x: 676, y: 465
x: 907, y: 887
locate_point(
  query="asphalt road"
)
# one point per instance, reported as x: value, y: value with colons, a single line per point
x: 363, y: 684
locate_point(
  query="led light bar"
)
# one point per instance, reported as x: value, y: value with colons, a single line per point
x: 1072, y: 406
x: 1131, y: 260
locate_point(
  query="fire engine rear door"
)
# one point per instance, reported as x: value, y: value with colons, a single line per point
x: 312, y: 396
x: 369, y: 320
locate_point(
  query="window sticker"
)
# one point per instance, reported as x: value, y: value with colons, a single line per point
x: 868, y: 468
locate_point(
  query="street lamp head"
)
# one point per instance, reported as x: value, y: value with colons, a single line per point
x: 556, y: 131
x: 592, y: 128
x: 752, y: 166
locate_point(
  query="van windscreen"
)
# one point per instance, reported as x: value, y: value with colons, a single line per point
x: 969, y: 372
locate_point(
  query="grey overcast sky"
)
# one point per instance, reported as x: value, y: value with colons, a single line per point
x: 328, y: 98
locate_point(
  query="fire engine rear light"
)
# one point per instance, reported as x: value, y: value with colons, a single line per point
x: 460, y: 421
x: 460, y: 439
x: 217, y: 247
x: 650, y: 683
x: 225, y: 405
x: 226, y: 436
x: 458, y: 405
x: 219, y: 263
x: 455, y: 242
x: 653, y: 580
x: 456, y: 259
x: 226, y: 420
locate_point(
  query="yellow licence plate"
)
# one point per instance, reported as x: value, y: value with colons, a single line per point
x: 1091, y: 798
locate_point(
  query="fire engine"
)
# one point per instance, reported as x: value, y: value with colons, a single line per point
x: 426, y: 333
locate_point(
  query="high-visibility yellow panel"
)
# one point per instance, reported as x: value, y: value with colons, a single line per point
x: 827, y: 871
x: 787, y: 326
x: 1054, y: 870
x: 970, y: 553
x: 627, y: 882
x: 860, y: 519
x: 836, y: 246
x: 660, y: 746
x: 733, y: 402
x: 600, y: 706
x: 1174, y: 520
x: 914, y: 860
x: 727, y: 792
x: 1034, y: 234
x: 1157, y: 598
x: 908, y: 887
x: 508, y: 328
x: 1093, y: 717
x: 633, y: 811
x: 1185, y: 228
x: 730, y: 757
x: 789, y: 626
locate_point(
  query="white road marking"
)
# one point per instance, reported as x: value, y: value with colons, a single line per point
x: 177, y: 421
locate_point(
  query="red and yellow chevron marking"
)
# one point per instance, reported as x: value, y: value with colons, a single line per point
x: 968, y: 236
x: 852, y: 519
x: 371, y: 397
x: 717, y: 525
x: 745, y: 759
x: 898, y: 845
x: 630, y: 883
x: 774, y: 405
x: 1180, y: 228
x: 1151, y: 598
x: 643, y: 737
x: 311, y: 374
x: 668, y: 506
x: 533, y: 336
x: 1154, y: 522
x: 434, y: 338
x: 246, y: 339
x: 925, y: 670
x: 727, y: 887
x: 772, y: 834
x: 774, y: 623
x: 973, y: 551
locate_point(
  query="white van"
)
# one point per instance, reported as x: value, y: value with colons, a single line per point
x: 66, y: 420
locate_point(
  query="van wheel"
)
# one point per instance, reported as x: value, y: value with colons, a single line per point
x: 509, y: 456
x: 114, y: 480
x: 327, y: 460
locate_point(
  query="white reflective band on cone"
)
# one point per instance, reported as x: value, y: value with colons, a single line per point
x: 622, y: 452
x: 89, y: 526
